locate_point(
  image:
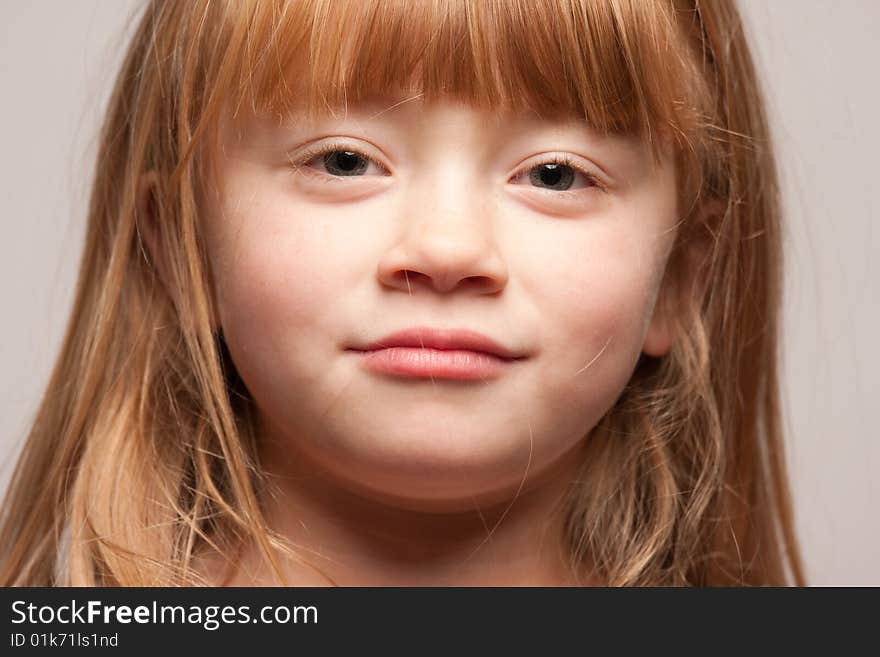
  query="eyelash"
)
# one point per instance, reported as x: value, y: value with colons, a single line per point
x: 562, y: 158
x: 315, y: 151
x: 566, y: 160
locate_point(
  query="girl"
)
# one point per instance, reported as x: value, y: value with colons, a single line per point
x: 426, y: 292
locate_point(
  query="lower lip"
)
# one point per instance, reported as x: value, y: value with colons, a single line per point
x: 434, y: 363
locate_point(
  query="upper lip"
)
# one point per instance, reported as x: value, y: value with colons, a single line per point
x: 437, y: 338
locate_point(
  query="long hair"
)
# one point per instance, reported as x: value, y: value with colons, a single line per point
x: 143, y: 452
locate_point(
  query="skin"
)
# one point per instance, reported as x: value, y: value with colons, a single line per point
x: 391, y: 481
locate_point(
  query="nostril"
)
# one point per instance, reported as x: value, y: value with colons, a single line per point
x: 478, y: 280
x: 411, y: 276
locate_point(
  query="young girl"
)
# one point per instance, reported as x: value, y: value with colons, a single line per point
x: 425, y: 292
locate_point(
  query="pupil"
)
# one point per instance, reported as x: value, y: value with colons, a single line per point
x: 344, y: 163
x: 551, y: 174
x: 556, y: 176
x: 347, y: 160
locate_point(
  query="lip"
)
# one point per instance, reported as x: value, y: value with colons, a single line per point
x: 438, y: 353
x: 426, y: 337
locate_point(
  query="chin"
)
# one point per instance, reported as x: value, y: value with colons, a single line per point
x: 421, y: 500
x: 420, y: 480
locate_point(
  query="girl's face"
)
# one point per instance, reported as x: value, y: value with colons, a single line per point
x: 548, y: 238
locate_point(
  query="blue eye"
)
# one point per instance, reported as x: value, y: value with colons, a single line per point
x: 345, y: 163
x: 552, y: 175
x: 336, y: 160
x: 559, y: 174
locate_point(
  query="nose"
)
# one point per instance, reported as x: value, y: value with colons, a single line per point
x: 447, y: 243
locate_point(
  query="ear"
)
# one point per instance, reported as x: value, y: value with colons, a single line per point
x: 684, y: 282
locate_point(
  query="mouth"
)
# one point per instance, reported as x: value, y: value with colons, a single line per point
x: 424, y: 352
x: 416, y: 362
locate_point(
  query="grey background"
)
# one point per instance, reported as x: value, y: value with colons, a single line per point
x: 57, y: 61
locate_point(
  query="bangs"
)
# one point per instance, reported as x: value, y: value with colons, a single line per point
x: 616, y: 65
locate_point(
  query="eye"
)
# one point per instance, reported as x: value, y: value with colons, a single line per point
x: 337, y: 160
x: 559, y: 174
x: 345, y: 163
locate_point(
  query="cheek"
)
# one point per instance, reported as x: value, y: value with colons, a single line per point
x: 597, y: 298
x: 276, y: 275
x: 270, y: 281
x: 609, y: 298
